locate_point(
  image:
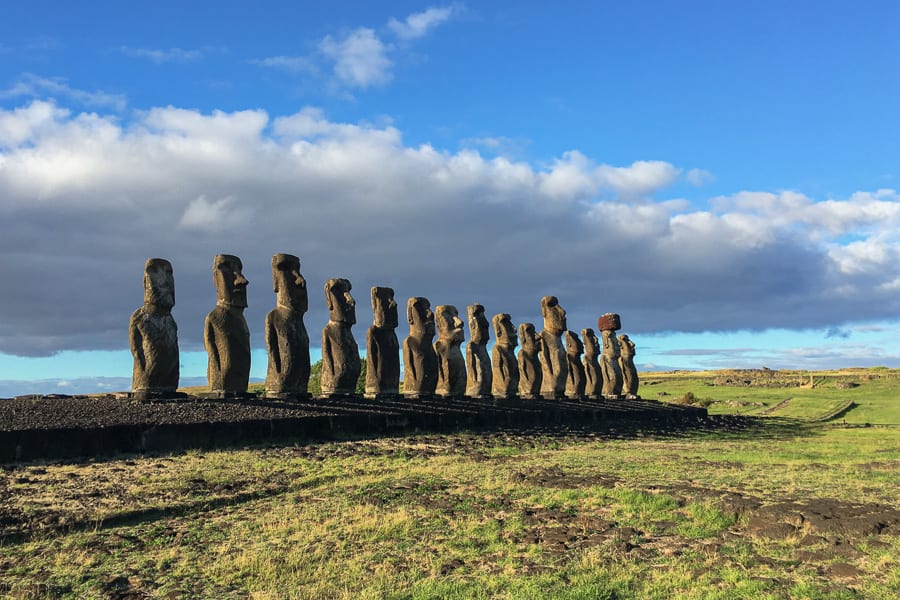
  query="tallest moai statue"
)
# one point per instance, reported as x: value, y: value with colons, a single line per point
x: 553, y: 353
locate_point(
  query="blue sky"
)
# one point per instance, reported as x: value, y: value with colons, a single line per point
x: 723, y: 175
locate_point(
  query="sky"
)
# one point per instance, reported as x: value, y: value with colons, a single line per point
x: 723, y: 175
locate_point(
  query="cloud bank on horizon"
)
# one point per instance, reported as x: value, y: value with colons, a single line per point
x: 93, y: 183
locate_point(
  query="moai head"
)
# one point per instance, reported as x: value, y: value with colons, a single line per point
x: 159, y: 284
x: 289, y: 284
x: 478, y: 324
x: 554, y: 315
x: 505, y: 331
x: 574, y: 346
x: 626, y: 345
x: 591, y: 343
x: 449, y: 325
x: 341, y: 305
x: 420, y: 317
x: 384, y: 308
x: 609, y: 322
x: 531, y: 343
x: 231, y: 286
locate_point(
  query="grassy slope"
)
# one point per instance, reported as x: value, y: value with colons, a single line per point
x: 465, y: 516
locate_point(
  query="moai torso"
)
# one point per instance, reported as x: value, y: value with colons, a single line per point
x: 451, y: 379
x: 575, y: 378
x: 553, y: 354
x: 420, y: 363
x: 629, y: 370
x: 505, y: 368
x: 226, y: 335
x: 593, y: 378
x: 287, y: 341
x: 478, y: 362
x: 340, y: 353
x: 382, y: 347
x: 153, y: 334
x: 530, y: 371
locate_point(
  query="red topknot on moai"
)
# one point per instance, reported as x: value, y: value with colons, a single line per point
x: 608, y: 324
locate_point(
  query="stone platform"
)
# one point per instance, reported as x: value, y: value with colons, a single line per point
x: 39, y: 428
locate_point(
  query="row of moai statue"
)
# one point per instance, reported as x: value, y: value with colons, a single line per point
x: 549, y: 364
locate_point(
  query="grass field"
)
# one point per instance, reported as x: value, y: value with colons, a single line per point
x: 793, y: 508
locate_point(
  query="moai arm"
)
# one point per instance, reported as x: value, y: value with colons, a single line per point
x: 136, y: 339
x: 272, y: 343
x: 327, y: 358
x: 409, y: 362
x: 373, y: 353
x: 209, y: 340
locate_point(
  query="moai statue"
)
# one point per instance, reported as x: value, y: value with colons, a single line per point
x: 226, y: 336
x: 505, y: 367
x: 608, y: 324
x: 287, y: 341
x: 530, y: 372
x: 593, y: 377
x: 340, y: 354
x: 153, y: 335
x: 382, y: 347
x: 629, y: 370
x: 553, y: 353
x: 575, y: 379
x: 478, y: 361
x: 420, y: 363
x: 451, y: 380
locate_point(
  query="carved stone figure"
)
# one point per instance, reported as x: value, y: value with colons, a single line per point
x: 553, y: 353
x: 420, y: 363
x: 382, y: 347
x: 505, y: 368
x: 226, y: 336
x: 575, y: 379
x: 451, y: 380
x: 287, y: 341
x: 629, y: 370
x: 593, y: 377
x: 608, y: 324
x: 153, y: 335
x: 530, y: 372
x: 478, y: 361
x: 340, y: 354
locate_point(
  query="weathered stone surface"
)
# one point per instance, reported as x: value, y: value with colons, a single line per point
x: 505, y: 369
x: 553, y: 354
x: 451, y: 380
x: 340, y: 353
x: 153, y: 334
x: 420, y: 363
x: 609, y: 321
x: 382, y: 346
x: 478, y: 361
x: 593, y: 377
x: 530, y: 372
x: 226, y: 336
x: 575, y: 379
x: 629, y: 370
x: 609, y: 361
x: 287, y: 341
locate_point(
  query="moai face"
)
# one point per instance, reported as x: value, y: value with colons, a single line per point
x: 554, y: 315
x: 504, y: 330
x: 573, y: 344
x: 528, y: 336
x: 420, y: 317
x: 159, y: 283
x: 626, y: 345
x: 231, y: 285
x: 290, y: 286
x: 478, y: 324
x: 591, y: 343
x: 341, y: 305
x: 384, y: 308
x: 449, y: 325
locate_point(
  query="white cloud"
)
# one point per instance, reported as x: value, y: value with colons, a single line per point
x: 160, y: 56
x: 419, y: 24
x: 292, y: 64
x: 40, y: 87
x: 354, y: 200
x: 699, y: 177
x: 360, y: 58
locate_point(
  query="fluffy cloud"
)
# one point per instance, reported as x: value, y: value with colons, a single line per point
x: 360, y: 58
x: 91, y: 198
x: 419, y: 24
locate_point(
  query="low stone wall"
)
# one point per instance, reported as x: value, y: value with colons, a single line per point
x: 62, y: 428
